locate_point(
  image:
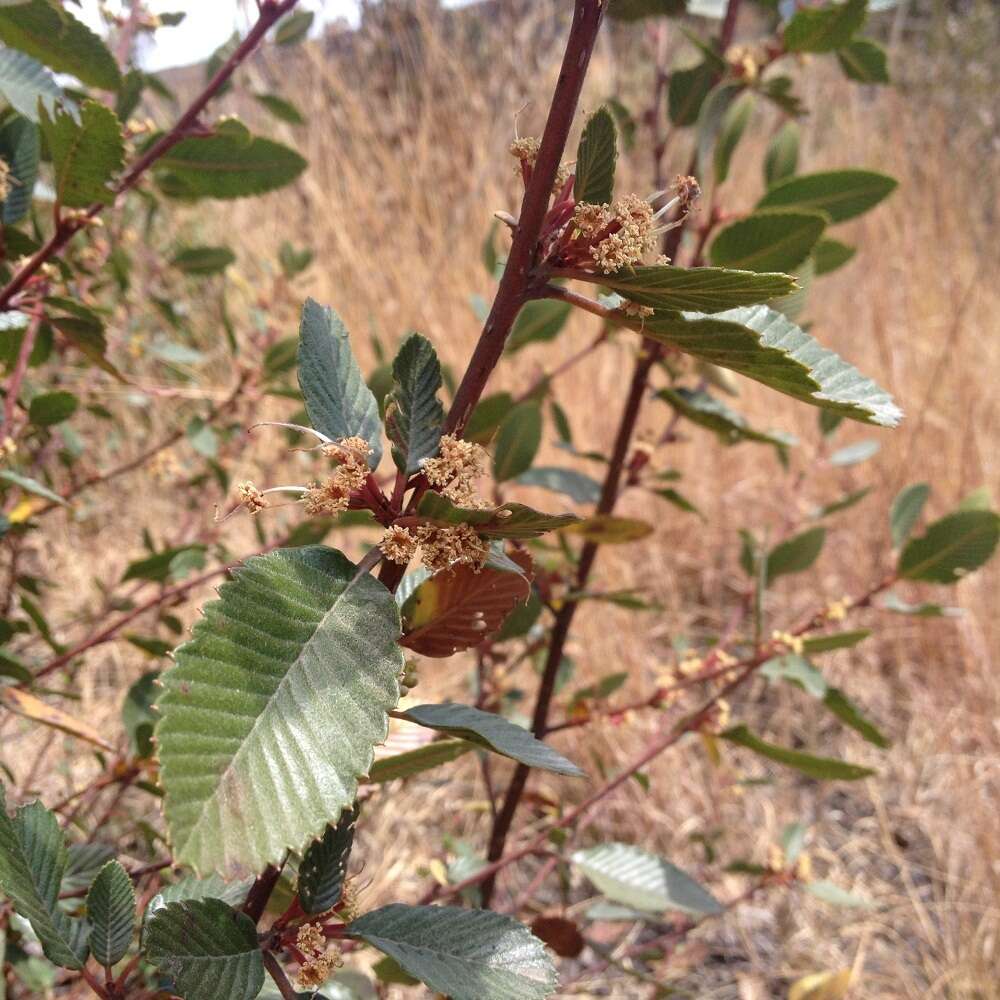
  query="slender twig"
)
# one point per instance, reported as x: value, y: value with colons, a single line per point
x: 185, y: 127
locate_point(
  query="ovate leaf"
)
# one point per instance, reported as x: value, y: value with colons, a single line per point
x: 223, y: 166
x: 460, y: 608
x: 111, y: 913
x: 85, y: 154
x: 517, y: 441
x: 55, y: 37
x: 837, y: 640
x: 414, y: 414
x: 831, y: 893
x: 768, y: 347
x: 782, y: 155
x: 494, y: 733
x: 705, y: 410
x: 207, y: 948
x: 32, y: 860
x: 50, y: 408
x: 464, y: 954
x: 338, y: 401
x: 951, y: 547
x: 906, y: 510
x: 796, y: 554
x: 324, y: 867
x: 596, y: 157
x: 576, y: 485
x: 829, y: 254
x: 509, y: 520
x: 826, y: 28
x: 607, y: 529
x: 863, y: 60
x: 294, y: 27
x: 705, y: 289
x: 203, y: 260
x: 411, y: 762
x: 821, y: 768
x: 20, y: 150
x: 687, y: 90
x: 539, y: 320
x: 281, y: 108
x: 190, y: 887
x: 734, y: 123
x: 768, y: 241
x: 274, y: 708
x: 636, y: 878
x: 25, y: 81
x: 841, y: 194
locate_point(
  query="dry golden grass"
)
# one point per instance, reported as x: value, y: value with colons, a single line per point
x: 395, y: 204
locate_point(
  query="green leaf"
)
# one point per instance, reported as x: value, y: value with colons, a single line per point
x: 337, y: 400
x: 596, y: 157
x: 487, y: 417
x: 207, y: 948
x: 30, y: 485
x: 413, y: 413
x: 705, y: 289
x: 686, y: 92
x: 768, y: 347
x: 893, y: 602
x: 222, y: 166
x: 841, y: 194
x: 829, y: 254
x: 509, y: 520
x: 734, y: 123
x: 636, y: 878
x: 324, y: 867
x: 607, y: 529
x: 25, y: 81
x: 845, y: 710
x: 138, y: 717
x: 405, y: 765
x: 951, y: 547
x: 795, y: 555
x: 705, y: 410
x: 854, y: 454
x: 203, y: 260
x: 51, y: 408
x: 54, y: 36
x: 833, y: 894
x: 864, y: 60
x: 906, y: 510
x: 539, y: 320
x: 83, y: 865
x: 493, y: 732
x: 111, y: 913
x: 191, y: 888
x: 824, y: 29
x: 275, y: 706
x: 569, y: 482
x: 821, y: 768
x: 768, y: 241
x: 20, y: 150
x: 844, y: 503
x: 159, y: 566
x: 464, y: 954
x: 782, y: 157
x: 32, y: 860
x: 86, y: 155
x: 797, y: 670
x: 293, y: 28
x: 281, y: 108
x: 517, y: 442
x: 837, y: 640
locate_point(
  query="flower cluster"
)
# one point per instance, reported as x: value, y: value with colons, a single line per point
x: 319, y: 961
x: 456, y: 470
x: 440, y: 546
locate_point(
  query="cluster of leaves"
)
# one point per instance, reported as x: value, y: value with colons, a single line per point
x: 265, y: 737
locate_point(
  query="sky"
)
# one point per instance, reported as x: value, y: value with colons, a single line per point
x: 207, y: 25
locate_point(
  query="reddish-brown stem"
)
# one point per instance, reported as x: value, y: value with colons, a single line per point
x: 270, y: 12
x: 516, y: 282
x: 277, y: 973
x: 260, y: 892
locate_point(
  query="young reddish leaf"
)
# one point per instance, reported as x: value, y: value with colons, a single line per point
x: 459, y: 608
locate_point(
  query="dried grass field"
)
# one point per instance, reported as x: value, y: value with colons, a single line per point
x: 405, y: 173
